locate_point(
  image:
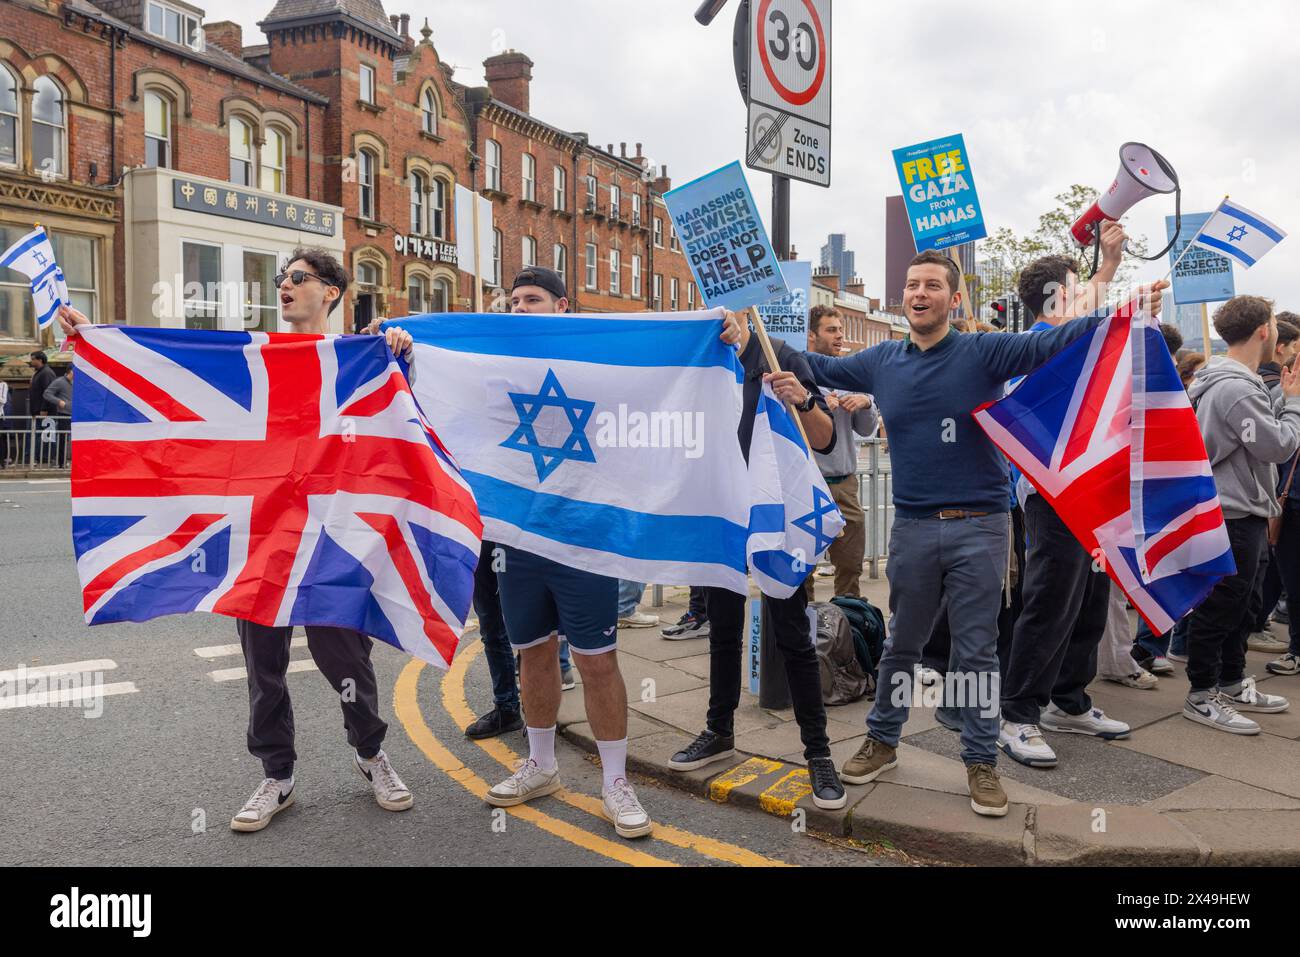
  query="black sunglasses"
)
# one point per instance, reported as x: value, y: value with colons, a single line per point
x: 299, y: 276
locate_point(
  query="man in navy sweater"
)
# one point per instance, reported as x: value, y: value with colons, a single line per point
x: 950, y: 498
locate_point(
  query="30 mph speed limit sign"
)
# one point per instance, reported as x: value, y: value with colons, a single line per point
x: 789, y: 81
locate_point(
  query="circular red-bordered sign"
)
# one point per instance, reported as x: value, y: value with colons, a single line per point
x: 787, y: 94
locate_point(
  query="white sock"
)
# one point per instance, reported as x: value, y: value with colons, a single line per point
x: 613, y: 761
x: 541, y: 746
x: 286, y: 784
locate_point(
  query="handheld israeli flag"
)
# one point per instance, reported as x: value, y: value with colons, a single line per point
x: 33, y: 255
x: 786, y: 477
x: 1237, y: 232
x: 607, y: 443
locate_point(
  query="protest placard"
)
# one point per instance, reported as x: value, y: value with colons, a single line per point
x: 943, y: 208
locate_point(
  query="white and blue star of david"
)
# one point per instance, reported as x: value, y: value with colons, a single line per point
x: 547, y: 458
x: 811, y: 523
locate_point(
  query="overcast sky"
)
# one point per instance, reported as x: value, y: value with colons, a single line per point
x: 1044, y: 92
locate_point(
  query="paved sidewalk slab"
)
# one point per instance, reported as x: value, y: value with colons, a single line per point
x: 1080, y: 834
x: 1258, y: 838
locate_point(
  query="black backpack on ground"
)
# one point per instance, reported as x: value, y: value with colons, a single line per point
x: 868, y: 627
x: 843, y: 678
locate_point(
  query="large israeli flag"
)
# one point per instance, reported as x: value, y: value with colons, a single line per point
x: 787, y: 478
x: 605, y: 442
x: 1237, y: 232
x: 33, y: 255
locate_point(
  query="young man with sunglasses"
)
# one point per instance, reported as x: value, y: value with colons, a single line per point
x: 311, y: 287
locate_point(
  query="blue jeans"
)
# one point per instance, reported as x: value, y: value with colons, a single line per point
x: 964, y: 561
x: 629, y: 596
x: 1157, y: 646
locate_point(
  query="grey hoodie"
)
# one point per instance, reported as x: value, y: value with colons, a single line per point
x: 1243, y: 437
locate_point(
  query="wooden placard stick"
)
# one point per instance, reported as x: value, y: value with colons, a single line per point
x: 965, y: 295
x: 770, y: 354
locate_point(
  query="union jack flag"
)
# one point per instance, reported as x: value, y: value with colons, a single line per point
x: 279, y: 478
x: 1106, y: 434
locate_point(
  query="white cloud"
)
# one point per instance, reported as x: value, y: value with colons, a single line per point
x: 1044, y: 93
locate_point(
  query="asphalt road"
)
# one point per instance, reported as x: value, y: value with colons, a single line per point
x: 151, y: 770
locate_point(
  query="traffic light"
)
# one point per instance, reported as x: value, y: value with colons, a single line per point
x: 1008, y: 313
x: 999, y: 307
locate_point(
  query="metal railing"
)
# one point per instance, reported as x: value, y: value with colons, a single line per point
x: 35, y: 443
x: 876, y: 493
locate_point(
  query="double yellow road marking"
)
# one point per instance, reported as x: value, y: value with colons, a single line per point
x: 406, y: 705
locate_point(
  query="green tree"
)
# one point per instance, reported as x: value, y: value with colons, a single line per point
x: 1051, y: 237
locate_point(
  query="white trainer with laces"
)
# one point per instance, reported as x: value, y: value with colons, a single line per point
x: 390, y: 792
x: 1093, y: 722
x: 638, y: 619
x: 528, y: 782
x: 270, y: 798
x: 1141, y: 679
x: 625, y: 811
x: 1216, y: 711
x: 1247, y: 697
x: 1024, y: 743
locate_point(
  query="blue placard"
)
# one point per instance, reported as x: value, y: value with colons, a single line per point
x: 939, y: 190
x: 1202, y: 276
x: 787, y: 318
x: 724, y: 240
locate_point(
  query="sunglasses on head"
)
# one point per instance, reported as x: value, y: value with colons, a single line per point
x: 299, y: 276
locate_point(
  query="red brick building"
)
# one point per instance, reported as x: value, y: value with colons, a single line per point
x: 174, y: 163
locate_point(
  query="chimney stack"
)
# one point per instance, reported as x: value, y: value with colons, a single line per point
x: 856, y: 286
x: 508, y: 75
x: 394, y: 22
x: 406, y: 25
x: 227, y: 35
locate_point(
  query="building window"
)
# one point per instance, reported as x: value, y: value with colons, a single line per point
x: 77, y: 256
x: 174, y: 25
x: 261, y: 296
x: 273, y: 161
x: 49, y: 127
x: 636, y: 276
x: 496, y: 257
x: 365, y: 295
x: 674, y: 287
x: 430, y: 113
x: 419, y: 203
x: 690, y: 295
x: 9, y: 124
x: 417, y: 295
x: 561, y: 259
x: 494, y: 165
x: 657, y: 293
x: 438, y: 209
x: 441, y: 299
x: 241, y: 152
x: 672, y: 239
x: 613, y: 272
x: 560, y: 199
x: 157, y: 130
x: 659, y: 232
x: 591, y: 266
x: 366, y: 184
x: 615, y: 201
x: 529, y: 167
x: 591, y: 191
x: 528, y: 253
x: 636, y: 209
x: 367, y: 83
x: 201, y: 274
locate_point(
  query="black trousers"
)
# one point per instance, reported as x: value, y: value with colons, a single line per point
x: 728, y: 622
x: 1270, y: 589
x: 698, y: 605
x: 1220, y: 625
x: 1053, y: 654
x: 342, y: 655
x: 1287, y: 555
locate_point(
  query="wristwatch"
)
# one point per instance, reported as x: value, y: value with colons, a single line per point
x: 807, y: 404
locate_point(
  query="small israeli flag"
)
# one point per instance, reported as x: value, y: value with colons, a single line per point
x: 1239, y: 233
x: 34, y: 256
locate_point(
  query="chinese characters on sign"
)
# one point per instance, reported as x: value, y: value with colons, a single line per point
x: 240, y: 204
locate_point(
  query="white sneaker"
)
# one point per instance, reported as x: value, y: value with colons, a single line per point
x: 1248, y: 697
x: 1093, y: 721
x: 270, y: 798
x: 1141, y: 679
x: 625, y: 811
x: 1024, y: 743
x: 1216, y: 711
x: 1288, y: 664
x: 638, y: 620
x: 1160, y: 666
x: 1267, y: 642
x: 529, y: 782
x: 390, y: 792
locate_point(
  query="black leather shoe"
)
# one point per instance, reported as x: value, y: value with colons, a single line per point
x: 495, y: 722
x: 705, y: 749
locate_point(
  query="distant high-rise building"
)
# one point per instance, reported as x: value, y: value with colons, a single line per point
x: 899, y: 250
x: 839, y: 259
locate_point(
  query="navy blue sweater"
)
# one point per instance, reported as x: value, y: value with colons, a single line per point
x: 941, y: 457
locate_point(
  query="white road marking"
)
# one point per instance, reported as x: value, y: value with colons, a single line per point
x: 237, y: 674
x: 226, y: 651
x: 45, y: 671
x: 67, y: 695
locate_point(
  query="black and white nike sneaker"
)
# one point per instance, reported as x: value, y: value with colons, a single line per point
x: 705, y: 749
x: 688, y: 626
x: 270, y: 798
